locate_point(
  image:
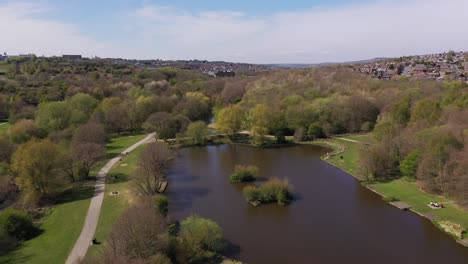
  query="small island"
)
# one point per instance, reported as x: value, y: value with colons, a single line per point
x: 244, y: 174
x: 274, y: 190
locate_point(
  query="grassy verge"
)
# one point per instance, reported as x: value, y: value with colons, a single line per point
x: 63, y: 223
x: 344, y: 155
x: 409, y: 192
x: 114, y: 205
x: 4, y: 126
x: 402, y: 189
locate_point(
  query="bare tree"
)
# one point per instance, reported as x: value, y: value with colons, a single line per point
x: 85, y: 155
x: 140, y: 234
x: 152, y: 167
x: 92, y: 132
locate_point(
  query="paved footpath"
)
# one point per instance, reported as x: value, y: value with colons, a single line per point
x: 89, y: 228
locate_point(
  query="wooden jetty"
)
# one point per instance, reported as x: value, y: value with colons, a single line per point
x: 401, y: 205
x: 162, y: 187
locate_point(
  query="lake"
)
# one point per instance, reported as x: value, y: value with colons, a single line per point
x: 333, y: 219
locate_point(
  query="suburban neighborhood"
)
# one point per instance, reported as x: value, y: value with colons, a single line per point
x: 442, y: 66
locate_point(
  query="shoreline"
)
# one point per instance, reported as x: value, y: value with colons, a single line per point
x: 342, y: 149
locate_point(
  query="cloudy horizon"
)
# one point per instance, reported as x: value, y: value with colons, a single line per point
x: 289, y: 33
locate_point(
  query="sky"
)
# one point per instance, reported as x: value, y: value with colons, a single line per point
x: 254, y: 31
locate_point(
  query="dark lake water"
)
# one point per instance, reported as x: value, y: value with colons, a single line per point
x: 333, y: 220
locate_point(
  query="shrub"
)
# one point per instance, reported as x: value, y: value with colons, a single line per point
x: 162, y: 203
x: 200, y: 240
x: 409, y: 165
x: 274, y: 190
x: 244, y: 174
x: 17, y: 225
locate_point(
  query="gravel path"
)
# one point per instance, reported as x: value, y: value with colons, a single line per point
x: 89, y: 228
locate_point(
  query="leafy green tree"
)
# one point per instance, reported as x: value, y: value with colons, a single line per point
x: 230, y: 120
x: 197, y: 133
x: 401, y: 111
x: 409, y: 164
x: 36, y: 165
x: 426, y: 110
x: 200, y: 240
x: 260, y: 120
x: 84, y: 103
x: 53, y: 116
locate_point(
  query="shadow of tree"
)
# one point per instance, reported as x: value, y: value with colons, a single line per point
x: 116, y: 178
x: 14, y: 257
x: 79, y: 192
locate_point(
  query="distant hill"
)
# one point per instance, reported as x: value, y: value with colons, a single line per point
x: 309, y: 65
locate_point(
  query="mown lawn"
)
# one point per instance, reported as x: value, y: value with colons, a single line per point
x: 410, y: 193
x: 349, y: 160
x: 63, y: 224
x: 113, y: 206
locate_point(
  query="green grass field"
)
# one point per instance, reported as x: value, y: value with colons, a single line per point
x: 410, y: 193
x: 114, y: 206
x: 64, y: 222
x: 350, y: 161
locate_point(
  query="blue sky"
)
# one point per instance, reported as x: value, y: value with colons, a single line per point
x: 257, y: 31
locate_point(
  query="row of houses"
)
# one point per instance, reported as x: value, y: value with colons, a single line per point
x: 450, y: 65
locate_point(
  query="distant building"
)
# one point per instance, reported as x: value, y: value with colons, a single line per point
x: 72, y: 57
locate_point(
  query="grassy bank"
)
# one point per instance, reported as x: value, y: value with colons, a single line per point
x: 63, y: 223
x: 114, y: 205
x: 402, y: 189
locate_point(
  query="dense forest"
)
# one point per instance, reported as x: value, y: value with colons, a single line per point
x: 62, y: 112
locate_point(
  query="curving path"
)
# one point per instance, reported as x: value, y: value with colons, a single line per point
x: 89, y: 228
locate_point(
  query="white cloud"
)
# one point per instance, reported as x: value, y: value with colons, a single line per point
x: 386, y: 28
x: 351, y: 32
x: 24, y: 30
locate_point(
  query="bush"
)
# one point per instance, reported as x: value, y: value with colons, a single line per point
x: 243, y: 174
x: 409, y: 165
x: 17, y: 225
x: 274, y: 190
x: 162, y: 203
x: 199, y: 240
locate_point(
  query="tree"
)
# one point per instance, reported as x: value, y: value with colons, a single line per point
x: 84, y: 103
x: 153, y: 163
x: 139, y: 235
x: 434, y: 158
x: 53, y: 116
x: 116, y: 119
x: 195, y: 106
x: 91, y: 132
x: 85, y: 155
x: 230, y: 120
x: 409, y: 164
x: 200, y: 240
x: 36, y: 165
x: 156, y: 121
x: 260, y: 120
x: 6, y: 149
x: 23, y: 131
x: 197, y: 133
x: 379, y: 161
x: 427, y: 111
